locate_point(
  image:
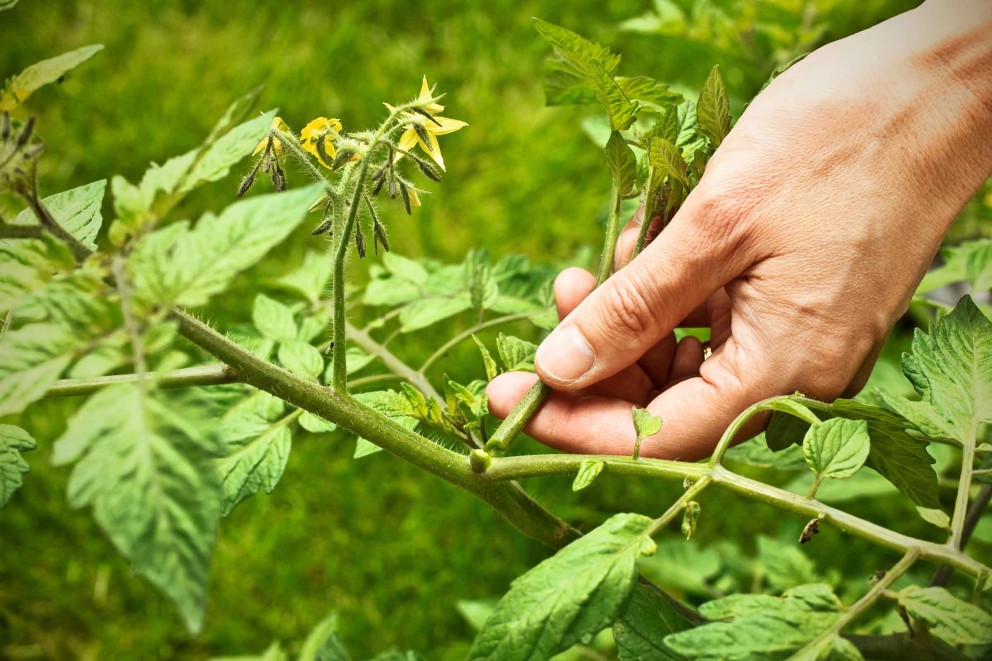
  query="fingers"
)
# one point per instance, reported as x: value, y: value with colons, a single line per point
x: 695, y: 412
x: 572, y: 286
x: 637, y: 307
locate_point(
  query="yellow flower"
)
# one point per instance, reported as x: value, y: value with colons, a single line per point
x: 414, y: 198
x: 277, y: 123
x: 429, y: 129
x: 317, y: 137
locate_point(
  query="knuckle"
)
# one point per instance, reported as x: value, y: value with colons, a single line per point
x: 721, y: 217
x: 629, y: 307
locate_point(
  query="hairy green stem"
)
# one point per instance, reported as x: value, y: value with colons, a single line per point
x: 464, y: 335
x: 188, y: 377
x: 20, y: 231
x: 964, y: 487
x: 694, y: 490
x: 813, y: 649
x: 509, y: 500
x: 610, y: 240
x: 901, y: 646
x: 392, y: 362
x: 518, y: 418
x: 289, y: 141
x: 511, y: 468
x: 119, y: 269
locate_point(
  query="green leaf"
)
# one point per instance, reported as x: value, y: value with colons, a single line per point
x: 515, y: 354
x: 756, y: 452
x: 897, y: 456
x: 666, y: 160
x: 364, y: 448
x: 951, y: 369
x: 683, y: 566
x: 582, y: 71
x: 315, y: 424
x: 257, y: 443
x: 565, y: 79
x: 620, y: 160
x: 301, y: 359
x: 589, y: 470
x: 492, y: 370
x: 323, y: 642
x: 273, y: 319
x: 182, y: 266
x: 476, y: 612
x: 163, y: 186
x: 713, y: 109
x: 947, y: 617
x: 310, y: 280
x: 13, y: 441
x: 429, y: 311
x: 836, y: 448
x: 970, y: 261
x: 32, y: 358
x: 77, y: 210
x: 405, y: 268
x: 146, y: 472
x: 649, y: 92
x: 18, y: 88
x: 569, y: 596
x: 760, y: 626
x: 785, y: 564
x: 649, y: 617
x: 935, y: 517
x: 645, y: 424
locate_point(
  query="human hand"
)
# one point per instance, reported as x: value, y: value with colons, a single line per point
x: 800, y: 247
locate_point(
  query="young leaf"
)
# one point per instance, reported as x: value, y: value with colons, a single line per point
x: 569, y: 596
x: 649, y: 617
x: 713, y: 109
x: 645, y: 425
x: 666, y: 160
x: 515, y: 354
x: 649, y: 92
x: 580, y: 67
x: 565, y: 79
x: 13, y: 441
x: 301, y: 359
x: 836, y: 448
x: 77, y: 210
x: 589, y: 470
x: 182, y: 266
x: 620, y: 159
x: 951, y: 369
x: 897, y: 456
x: 21, y: 86
x: 146, y: 472
x: 947, y: 617
x: 492, y: 371
x: 273, y: 319
x: 257, y: 445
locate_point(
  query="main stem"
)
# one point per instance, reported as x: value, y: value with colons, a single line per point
x: 508, y: 499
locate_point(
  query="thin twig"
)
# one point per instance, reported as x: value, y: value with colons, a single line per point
x: 188, y: 377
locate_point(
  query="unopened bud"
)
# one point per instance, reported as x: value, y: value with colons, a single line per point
x: 428, y: 170
x: 5, y: 125
x: 359, y: 240
x: 25, y: 133
x: 406, y: 198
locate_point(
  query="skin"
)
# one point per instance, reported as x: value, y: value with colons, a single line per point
x: 801, y: 247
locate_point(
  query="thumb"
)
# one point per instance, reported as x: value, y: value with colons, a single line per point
x: 699, y: 252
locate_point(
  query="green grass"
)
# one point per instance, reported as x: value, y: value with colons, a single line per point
x: 388, y: 547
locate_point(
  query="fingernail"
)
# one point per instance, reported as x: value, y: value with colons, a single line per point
x: 565, y: 355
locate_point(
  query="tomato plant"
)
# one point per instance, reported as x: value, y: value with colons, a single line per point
x: 180, y: 421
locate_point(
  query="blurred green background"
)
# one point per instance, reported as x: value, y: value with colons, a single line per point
x: 389, y: 548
